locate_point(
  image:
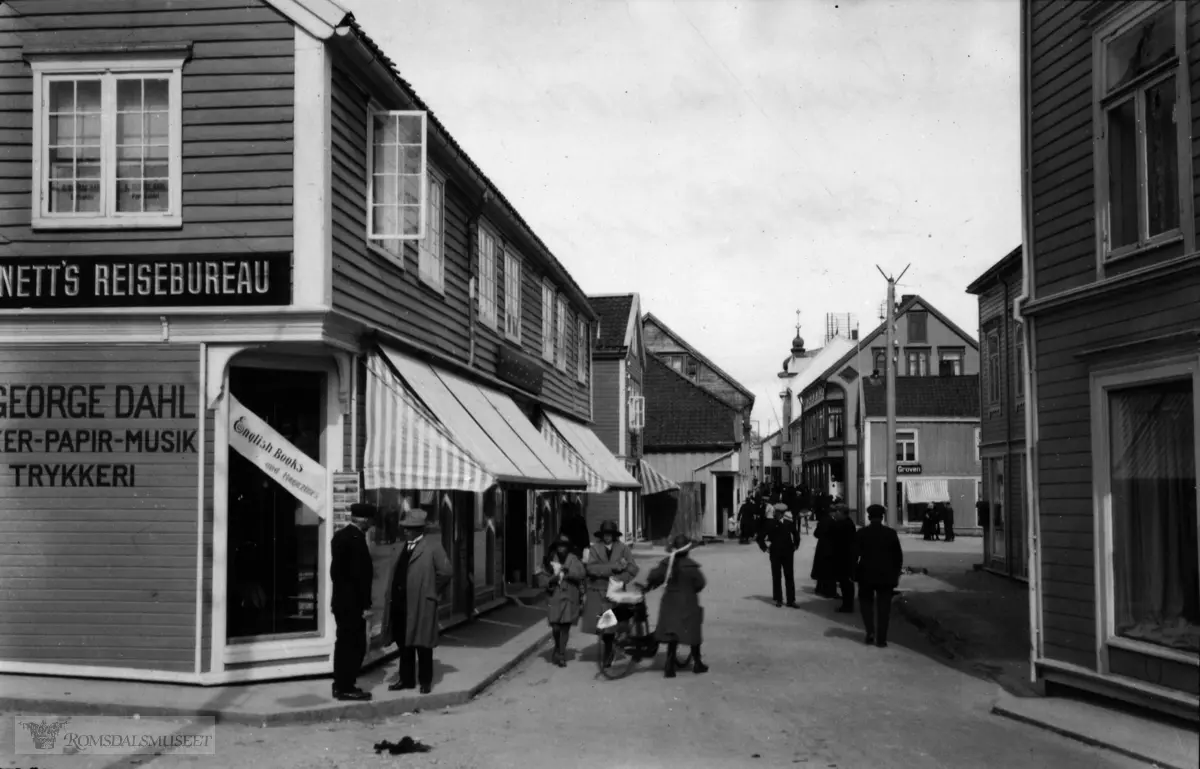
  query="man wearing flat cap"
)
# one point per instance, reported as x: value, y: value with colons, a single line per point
x: 879, y: 561
x: 352, y: 573
x: 421, y: 573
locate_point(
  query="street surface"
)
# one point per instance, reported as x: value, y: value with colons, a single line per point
x: 788, y: 688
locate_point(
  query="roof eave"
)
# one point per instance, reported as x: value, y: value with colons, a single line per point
x: 1011, y: 260
x: 319, y: 18
x: 650, y: 317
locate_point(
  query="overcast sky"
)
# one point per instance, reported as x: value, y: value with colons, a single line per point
x: 733, y: 162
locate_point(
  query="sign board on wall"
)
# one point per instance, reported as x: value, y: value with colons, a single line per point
x: 910, y: 469
x: 300, y: 475
x: 347, y: 490
x: 145, y: 281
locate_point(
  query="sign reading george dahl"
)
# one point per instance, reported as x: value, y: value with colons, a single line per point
x: 145, y: 281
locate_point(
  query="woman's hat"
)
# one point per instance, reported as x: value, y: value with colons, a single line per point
x: 781, y: 507
x: 608, y: 527
x: 363, y: 510
x: 413, y: 519
x: 680, y: 542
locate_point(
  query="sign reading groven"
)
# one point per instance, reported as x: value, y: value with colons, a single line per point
x: 276, y: 456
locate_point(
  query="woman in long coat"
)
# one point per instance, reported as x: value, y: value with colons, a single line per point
x: 680, y: 615
x: 562, y: 608
x: 608, y: 558
x: 822, y: 568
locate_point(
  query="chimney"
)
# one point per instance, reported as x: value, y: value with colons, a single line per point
x: 904, y: 298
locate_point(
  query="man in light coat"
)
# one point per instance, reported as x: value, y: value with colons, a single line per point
x: 421, y: 573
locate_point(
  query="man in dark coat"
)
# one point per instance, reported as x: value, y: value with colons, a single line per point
x: 781, y: 539
x: 574, y: 527
x: 822, y: 568
x: 680, y: 615
x: 746, y: 515
x: 947, y: 519
x: 879, y: 561
x: 842, y: 535
x: 352, y: 573
x: 421, y: 573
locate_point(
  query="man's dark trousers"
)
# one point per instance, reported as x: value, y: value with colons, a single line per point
x: 876, y: 604
x: 416, y: 662
x: 349, y: 649
x: 783, y: 566
x: 847, y: 586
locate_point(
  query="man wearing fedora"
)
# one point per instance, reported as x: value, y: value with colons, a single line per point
x: 352, y: 573
x: 422, y: 571
x: 879, y: 561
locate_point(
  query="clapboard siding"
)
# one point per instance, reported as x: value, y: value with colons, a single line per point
x: 374, y: 289
x: 99, y: 575
x: 237, y: 122
x: 606, y: 402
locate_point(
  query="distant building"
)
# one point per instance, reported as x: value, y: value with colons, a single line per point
x: 1003, y: 484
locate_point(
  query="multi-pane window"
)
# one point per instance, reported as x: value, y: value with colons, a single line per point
x: 107, y: 145
x: 1138, y: 92
x: 950, y: 362
x: 1019, y: 367
x: 906, y: 446
x: 918, y: 326
x: 583, y: 345
x: 547, y: 322
x: 994, y: 382
x: 918, y: 362
x: 776, y: 453
x: 397, y: 184
x: 487, y: 278
x: 685, y: 364
x: 560, y: 334
x: 512, y: 295
x: 880, y: 360
x: 431, y: 257
x: 837, y: 426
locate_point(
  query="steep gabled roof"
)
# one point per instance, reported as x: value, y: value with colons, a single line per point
x: 614, y: 312
x: 1009, y: 263
x: 865, y: 341
x: 319, y: 18
x: 681, y: 413
x: 651, y: 318
x: 926, y: 396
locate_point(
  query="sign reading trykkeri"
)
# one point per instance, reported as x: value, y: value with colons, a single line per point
x: 275, y: 455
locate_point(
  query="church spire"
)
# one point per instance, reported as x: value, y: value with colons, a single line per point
x: 798, y: 342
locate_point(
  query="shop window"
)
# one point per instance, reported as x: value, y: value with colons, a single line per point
x: 918, y: 326
x: 1139, y: 87
x: 274, y: 541
x: 950, y: 362
x: 560, y: 334
x: 583, y: 345
x: 1147, y: 419
x: 398, y: 182
x: 547, y: 322
x: 487, y: 278
x: 107, y: 144
x: 906, y: 446
x: 918, y: 362
x: 512, y: 295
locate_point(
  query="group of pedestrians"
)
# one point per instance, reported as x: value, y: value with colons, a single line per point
x: 934, y: 519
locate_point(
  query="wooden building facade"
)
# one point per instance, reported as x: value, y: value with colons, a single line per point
x: 1003, y: 487
x: 1112, y: 322
x: 246, y: 278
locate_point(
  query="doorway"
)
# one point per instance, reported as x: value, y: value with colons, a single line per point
x: 274, y: 541
x: 516, y: 541
x: 724, y: 501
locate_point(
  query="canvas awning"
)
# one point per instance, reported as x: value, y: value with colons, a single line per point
x: 587, y: 455
x: 927, y: 491
x: 654, y: 482
x: 430, y: 429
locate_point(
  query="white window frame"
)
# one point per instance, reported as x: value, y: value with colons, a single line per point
x: 915, y: 444
x: 560, y: 332
x: 1102, y: 381
x: 917, y: 351
x: 513, y: 295
x: 547, y: 321
x: 637, y: 412
x: 108, y: 71
x: 486, y: 284
x: 1129, y: 16
x: 978, y: 444
x: 386, y: 243
x: 584, y: 358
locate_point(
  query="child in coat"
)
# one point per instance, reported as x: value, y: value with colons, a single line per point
x: 566, y: 575
x: 680, y: 616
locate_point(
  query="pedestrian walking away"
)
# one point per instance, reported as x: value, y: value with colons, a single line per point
x: 822, y: 567
x: 680, y: 615
x: 781, y: 539
x: 746, y: 515
x: 879, y: 561
x: 947, y: 514
x: 841, y: 536
x: 352, y: 573
x: 566, y: 576
x: 421, y: 572
x: 610, y: 558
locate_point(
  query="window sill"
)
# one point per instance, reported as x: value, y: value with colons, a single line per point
x: 388, y: 255
x: 433, y: 288
x: 47, y: 224
x: 1149, y: 649
x: 1129, y: 252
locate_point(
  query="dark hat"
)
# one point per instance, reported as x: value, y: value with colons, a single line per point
x: 680, y: 541
x: 413, y: 518
x: 562, y: 539
x: 363, y: 510
x: 608, y: 527
x: 876, y: 511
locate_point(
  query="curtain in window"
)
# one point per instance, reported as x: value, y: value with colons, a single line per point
x: 1153, y: 487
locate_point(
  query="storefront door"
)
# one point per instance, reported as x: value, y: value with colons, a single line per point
x: 273, y: 569
x: 516, y: 537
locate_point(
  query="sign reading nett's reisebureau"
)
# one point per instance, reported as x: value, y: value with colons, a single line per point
x: 145, y: 281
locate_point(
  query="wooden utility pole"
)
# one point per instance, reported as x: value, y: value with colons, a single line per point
x: 894, y: 514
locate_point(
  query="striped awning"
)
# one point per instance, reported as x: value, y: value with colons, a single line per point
x: 926, y: 491
x: 430, y: 429
x: 587, y: 454
x: 654, y: 482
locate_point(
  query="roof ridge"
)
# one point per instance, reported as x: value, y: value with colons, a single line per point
x: 687, y: 345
